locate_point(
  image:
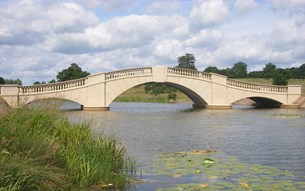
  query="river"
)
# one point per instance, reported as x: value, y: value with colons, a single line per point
x: 267, y: 137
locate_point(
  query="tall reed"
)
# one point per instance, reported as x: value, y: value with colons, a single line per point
x: 42, y: 151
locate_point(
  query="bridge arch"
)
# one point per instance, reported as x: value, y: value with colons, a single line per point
x: 263, y: 102
x: 53, y: 103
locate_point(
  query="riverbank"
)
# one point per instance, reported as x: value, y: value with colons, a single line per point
x: 137, y: 94
x: 42, y: 151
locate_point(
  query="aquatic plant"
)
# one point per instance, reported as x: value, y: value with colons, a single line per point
x: 41, y: 151
x: 217, y: 171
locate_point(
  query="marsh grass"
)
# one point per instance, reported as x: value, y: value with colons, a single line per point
x: 41, y: 151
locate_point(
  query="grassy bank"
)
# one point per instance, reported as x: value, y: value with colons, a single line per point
x: 42, y: 151
x: 137, y: 94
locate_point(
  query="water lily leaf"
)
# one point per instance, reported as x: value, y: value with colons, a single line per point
x: 208, y: 161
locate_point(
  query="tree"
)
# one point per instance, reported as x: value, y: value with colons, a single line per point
x: 52, y: 81
x: 187, y: 61
x: 155, y: 88
x: 239, y: 70
x: 2, y: 80
x: 11, y: 81
x: 212, y: 69
x: 255, y: 74
x: 269, y: 70
x: 302, y: 71
x: 226, y: 72
x: 71, y: 73
x: 279, y: 78
x: 37, y: 82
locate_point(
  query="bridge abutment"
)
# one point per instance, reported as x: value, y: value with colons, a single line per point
x: 10, y: 94
x: 96, y: 108
x: 220, y: 107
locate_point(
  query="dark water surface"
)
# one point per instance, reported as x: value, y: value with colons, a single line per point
x: 272, y: 137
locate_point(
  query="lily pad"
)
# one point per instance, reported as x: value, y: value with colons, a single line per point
x: 217, y: 171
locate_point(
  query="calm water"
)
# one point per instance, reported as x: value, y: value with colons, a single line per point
x: 273, y: 137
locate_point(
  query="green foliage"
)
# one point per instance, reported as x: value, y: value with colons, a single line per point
x: 52, y: 81
x: 71, y: 73
x: 41, y: 151
x: 279, y: 78
x: 172, y: 96
x: 158, y: 88
x: 37, y: 82
x: 11, y: 81
x: 269, y: 70
x: 212, y: 69
x: 155, y: 88
x: 2, y: 80
x: 255, y: 74
x: 239, y: 70
x: 187, y: 61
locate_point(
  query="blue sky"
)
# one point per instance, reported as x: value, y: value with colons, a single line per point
x: 39, y: 38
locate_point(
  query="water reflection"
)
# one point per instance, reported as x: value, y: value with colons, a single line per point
x: 267, y: 137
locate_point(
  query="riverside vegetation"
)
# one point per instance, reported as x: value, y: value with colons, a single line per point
x: 41, y: 151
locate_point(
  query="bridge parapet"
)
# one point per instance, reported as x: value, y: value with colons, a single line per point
x: 52, y: 87
x: 188, y: 73
x: 128, y: 73
x: 257, y: 87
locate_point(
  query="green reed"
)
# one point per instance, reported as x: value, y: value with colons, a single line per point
x: 41, y: 151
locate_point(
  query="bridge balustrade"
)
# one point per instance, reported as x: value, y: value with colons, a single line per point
x: 41, y: 88
x: 188, y: 73
x: 128, y: 73
x: 257, y: 87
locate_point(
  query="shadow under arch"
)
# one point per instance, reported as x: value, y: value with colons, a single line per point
x: 198, y: 101
x: 54, y: 104
x: 262, y: 102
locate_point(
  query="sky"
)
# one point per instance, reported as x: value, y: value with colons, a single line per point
x: 39, y: 38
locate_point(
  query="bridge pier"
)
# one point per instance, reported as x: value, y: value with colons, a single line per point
x: 220, y: 107
x: 95, y: 108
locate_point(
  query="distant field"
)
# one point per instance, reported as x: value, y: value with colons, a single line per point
x: 137, y: 94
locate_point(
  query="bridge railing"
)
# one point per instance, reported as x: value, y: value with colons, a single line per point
x: 257, y: 87
x: 188, y: 72
x: 52, y: 87
x: 128, y: 73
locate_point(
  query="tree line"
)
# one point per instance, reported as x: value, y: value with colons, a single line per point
x: 279, y: 76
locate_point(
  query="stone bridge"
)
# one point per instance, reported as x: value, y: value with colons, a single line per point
x: 97, y: 91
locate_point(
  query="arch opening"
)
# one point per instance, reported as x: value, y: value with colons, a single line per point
x: 262, y: 102
x: 54, y: 103
x: 198, y: 102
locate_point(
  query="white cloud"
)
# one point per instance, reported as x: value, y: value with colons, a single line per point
x: 40, y: 38
x: 209, y: 13
x: 70, y: 17
x: 108, y: 5
x: 205, y: 38
x: 164, y: 7
x: 287, y: 4
x: 29, y: 23
x: 245, y: 5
